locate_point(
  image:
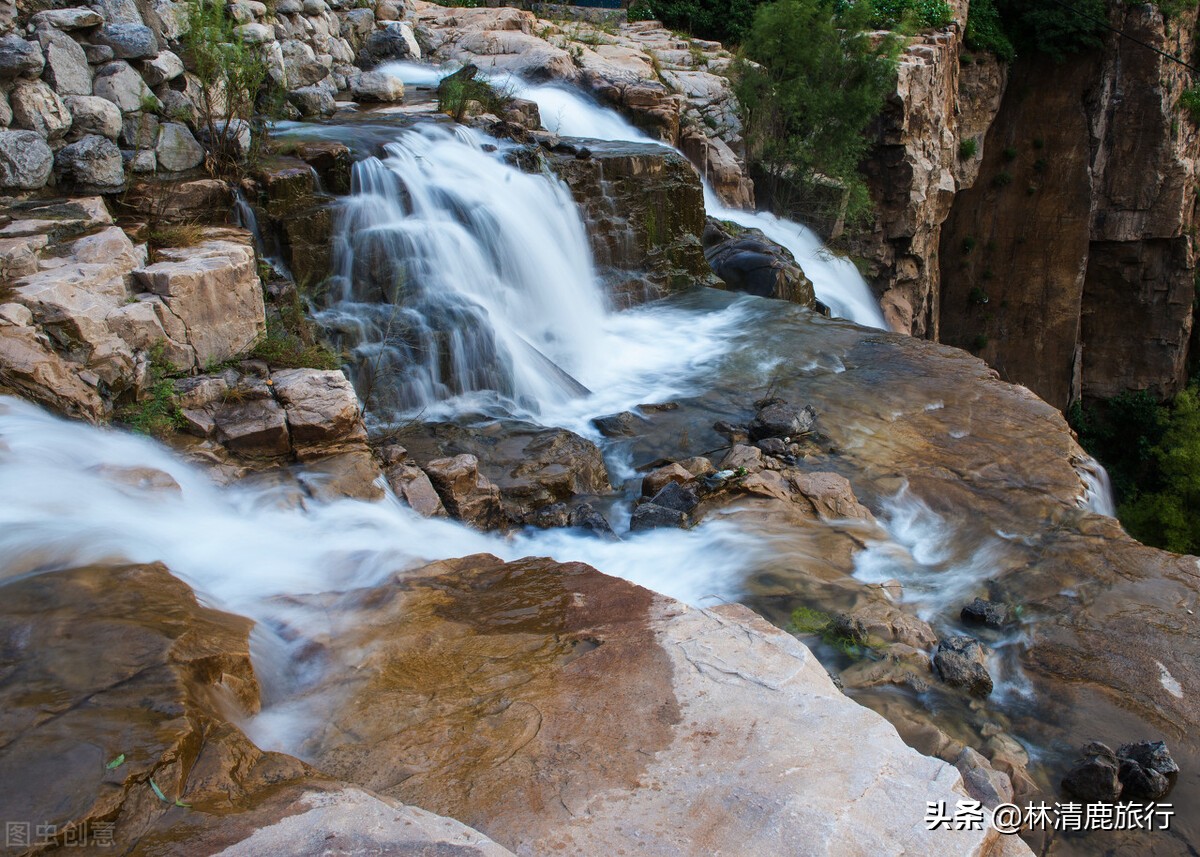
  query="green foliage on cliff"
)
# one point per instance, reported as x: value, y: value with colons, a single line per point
x: 910, y: 15
x: 1152, y: 453
x: 1189, y: 100
x: 815, y: 82
x: 157, y: 413
x: 725, y: 21
x: 1009, y: 28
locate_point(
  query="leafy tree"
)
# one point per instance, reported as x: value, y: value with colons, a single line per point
x: 235, y: 81
x: 1010, y: 28
x: 814, y: 81
x: 725, y: 21
x: 1168, y: 517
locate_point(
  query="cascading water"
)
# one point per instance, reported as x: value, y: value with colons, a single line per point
x: 836, y: 281
x: 456, y: 273
x: 462, y: 283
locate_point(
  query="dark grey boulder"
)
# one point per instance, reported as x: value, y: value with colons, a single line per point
x: 960, y: 662
x: 777, y: 418
x: 1095, y: 776
x: 680, y: 498
x: 650, y: 516
x: 991, y: 614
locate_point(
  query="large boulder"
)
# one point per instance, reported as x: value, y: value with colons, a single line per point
x: 30, y: 365
x: 93, y: 163
x: 36, y: 107
x: 322, y: 410
x: 312, y: 101
x: 67, y: 68
x: 466, y: 493
x: 558, y: 709
x: 162, y: 68
x: 213, y: 288
x: 25, y: 160
x: 748, y: 261
x: 176, y: 148
x: 119, y: 83
x: 67, y: 19
x: 128, y: 41
x: 20, y: 58
x: 93, y: 115
x: 300, y: 65
x: 393, y: 40
x: 376, y: 86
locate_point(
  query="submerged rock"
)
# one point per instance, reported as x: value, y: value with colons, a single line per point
x: 649, y: 516
x: 624, y: 424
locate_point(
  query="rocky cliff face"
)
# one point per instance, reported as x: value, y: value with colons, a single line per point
x: 1070, y: 264
x: 944, y: 98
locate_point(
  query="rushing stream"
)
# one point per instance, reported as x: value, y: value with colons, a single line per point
x: 465, y: 287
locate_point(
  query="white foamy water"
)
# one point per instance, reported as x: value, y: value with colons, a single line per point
x: 459, y: 278
x: 69, y: 496
x: 836, y: 281
x: 1097, y: 489
x: 921, y: 552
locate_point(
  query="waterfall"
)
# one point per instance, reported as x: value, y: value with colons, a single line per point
x: 456, y: 273
x: 463, y: 284
x: 836, y: 281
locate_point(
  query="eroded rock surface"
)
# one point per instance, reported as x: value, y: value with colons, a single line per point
x: 580, y: 713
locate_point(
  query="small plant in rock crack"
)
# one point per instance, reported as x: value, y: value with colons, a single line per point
x: 157, y: 413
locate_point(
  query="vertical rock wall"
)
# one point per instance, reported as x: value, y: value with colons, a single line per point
x: 943, y: 96
x: 1070, y: 264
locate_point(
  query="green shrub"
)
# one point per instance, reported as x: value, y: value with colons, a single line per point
x: 967, y: 149
x: 933, y: 13
x: 1189, y: 100
x: 986, y: 33
x: 156, y: 414
x: 1010, y: 153
x: 456, y: 92
x: 910, y: 15
x: 234, y: 80
x: 1160, y: 508
x: 818, y: 83
x: 290, y: 341
x: 640, y: 10
x: 1002, y: 179
x: 727, y: 21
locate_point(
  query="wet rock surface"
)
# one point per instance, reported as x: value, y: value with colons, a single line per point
x: 644, y: 208
x: 573, y: 641
x: 530, y: 466
x: 748, y: 261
